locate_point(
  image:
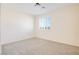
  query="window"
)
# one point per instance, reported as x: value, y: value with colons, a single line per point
x: 45, y: 22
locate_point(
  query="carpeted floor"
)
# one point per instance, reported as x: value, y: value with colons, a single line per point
x: 37, y: 46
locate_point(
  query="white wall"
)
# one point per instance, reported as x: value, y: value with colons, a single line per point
x: 15, y: 25
x: 0, y: 28
x: 65, y: 26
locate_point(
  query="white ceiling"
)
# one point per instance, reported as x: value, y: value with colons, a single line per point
x: 36, y: 10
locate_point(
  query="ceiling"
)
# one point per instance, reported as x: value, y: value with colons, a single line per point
x: 30, y: 8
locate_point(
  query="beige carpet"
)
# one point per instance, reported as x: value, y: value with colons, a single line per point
x: 37, y: 46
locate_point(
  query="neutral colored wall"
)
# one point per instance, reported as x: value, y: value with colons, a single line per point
x: 64, y: 27
x: 0, y: 28
x: 15, y: 25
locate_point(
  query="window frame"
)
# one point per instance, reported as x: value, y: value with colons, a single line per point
x: 47, y: 24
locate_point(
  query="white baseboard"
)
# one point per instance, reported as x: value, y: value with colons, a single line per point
x: 16, y: 40
x: 59, y: 42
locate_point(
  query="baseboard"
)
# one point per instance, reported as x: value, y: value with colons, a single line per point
x: 43, y: 39
x: 17, y: 40
x: 59, y: 42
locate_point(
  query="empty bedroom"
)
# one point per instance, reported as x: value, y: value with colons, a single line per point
x: 39, y: 28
